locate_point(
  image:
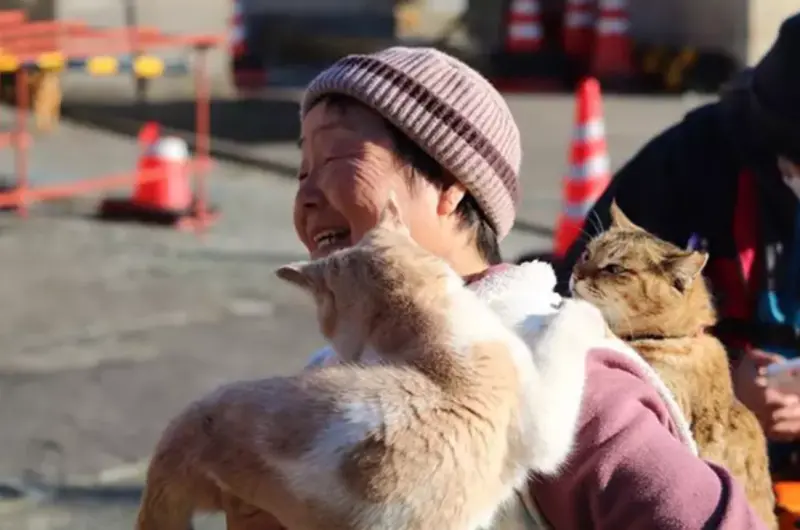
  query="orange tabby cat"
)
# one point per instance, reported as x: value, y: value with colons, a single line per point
x: 429, y: 422
x: 654, y: 297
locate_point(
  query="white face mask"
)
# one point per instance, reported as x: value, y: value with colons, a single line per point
x: 791, y: 175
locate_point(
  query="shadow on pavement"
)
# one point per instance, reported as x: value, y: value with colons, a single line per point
x: 253, y: 121
x: 106, y: 493
x: 73, y: 494
x: 238, y: 127
x: 220, y: 256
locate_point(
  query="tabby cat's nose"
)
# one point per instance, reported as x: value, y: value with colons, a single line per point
x: 579, y: 272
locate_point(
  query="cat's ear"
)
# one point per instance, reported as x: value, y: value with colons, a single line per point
x: 686, y: 268
x: 391, y: 216
x: 620, y: 220
x: 296, y: 273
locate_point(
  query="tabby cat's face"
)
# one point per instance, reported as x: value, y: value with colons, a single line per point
x: 632, y: 276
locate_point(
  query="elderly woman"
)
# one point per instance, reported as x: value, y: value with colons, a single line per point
x: 424, y: 124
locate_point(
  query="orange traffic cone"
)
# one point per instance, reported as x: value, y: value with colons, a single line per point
x: 237, y: 31
x: 578, y: 37
x: 162, y: 192
x: 163, y: 172
x: 589, y: 171
x: 613, y: 53
x: 524, y: 32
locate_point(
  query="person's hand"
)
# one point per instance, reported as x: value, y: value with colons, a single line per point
x: 778, y: 413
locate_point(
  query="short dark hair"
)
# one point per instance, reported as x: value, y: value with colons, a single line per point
x: 469, y: 212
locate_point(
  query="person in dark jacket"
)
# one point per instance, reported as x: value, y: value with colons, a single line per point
x: 726, y: 177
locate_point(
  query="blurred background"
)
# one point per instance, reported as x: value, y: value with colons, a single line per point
x: 108, y: 329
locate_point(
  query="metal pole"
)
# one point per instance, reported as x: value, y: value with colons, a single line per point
x: 21, y: 140
x: 132, y: 21
x: 202, y: 138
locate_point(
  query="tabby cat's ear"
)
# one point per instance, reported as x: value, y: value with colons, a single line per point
x: 391, y: 216
x: 296, y: 273
x: 620, y: 220
x: 686, y: 268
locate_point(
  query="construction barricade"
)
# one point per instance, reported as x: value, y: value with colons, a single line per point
x: 51, y: 46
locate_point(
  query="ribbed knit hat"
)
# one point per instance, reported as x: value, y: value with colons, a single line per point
x: 450, y: 110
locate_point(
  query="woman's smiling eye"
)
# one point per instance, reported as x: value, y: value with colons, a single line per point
x: 335, y: 158
x: 613, y: 268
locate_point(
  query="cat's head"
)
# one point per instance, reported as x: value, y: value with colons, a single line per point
x: 642, y: 284
x: 357, y: 288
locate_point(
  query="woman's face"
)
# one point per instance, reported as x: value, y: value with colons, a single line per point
x: 347, y: 171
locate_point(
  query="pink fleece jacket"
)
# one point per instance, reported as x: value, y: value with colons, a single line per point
x: 630, y: 471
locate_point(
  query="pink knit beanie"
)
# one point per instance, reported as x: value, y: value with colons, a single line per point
x: 448, y: 109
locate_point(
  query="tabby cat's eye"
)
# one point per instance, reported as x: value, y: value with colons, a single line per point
x: 613, y: 268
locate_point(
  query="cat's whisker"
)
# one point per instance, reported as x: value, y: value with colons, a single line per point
x: 584, y: 235
x: 597, y: 224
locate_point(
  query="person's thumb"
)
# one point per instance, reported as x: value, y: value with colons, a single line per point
x: 762, y: 358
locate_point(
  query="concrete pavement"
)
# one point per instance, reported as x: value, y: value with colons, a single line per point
x: 108, y: 330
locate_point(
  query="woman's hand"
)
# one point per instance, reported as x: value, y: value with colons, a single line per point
x: 778, y: 413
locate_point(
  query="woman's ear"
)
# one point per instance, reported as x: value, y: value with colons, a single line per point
x: 449, y: 198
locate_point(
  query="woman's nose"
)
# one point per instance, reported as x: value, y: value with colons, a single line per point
x: 309, y: 194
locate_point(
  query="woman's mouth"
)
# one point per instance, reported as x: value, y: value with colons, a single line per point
x: 329, y: 240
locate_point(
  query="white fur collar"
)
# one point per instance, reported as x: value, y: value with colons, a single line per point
x: 524, y: 293
x: 524, y: 296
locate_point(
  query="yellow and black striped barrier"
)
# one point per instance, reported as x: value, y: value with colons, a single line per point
x: 143, y: 66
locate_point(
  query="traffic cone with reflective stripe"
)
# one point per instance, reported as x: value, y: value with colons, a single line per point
x: 162, y: 190
x: 589, y: 168
x: 613, y: 53
x: 524, y: 32
x: 236, y: 30
x: 578, y: 37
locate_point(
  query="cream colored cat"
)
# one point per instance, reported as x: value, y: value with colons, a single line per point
x: 429, y: 424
